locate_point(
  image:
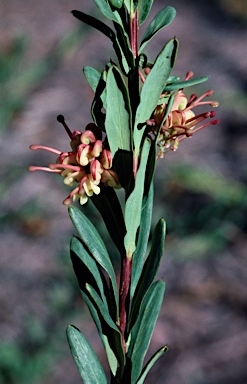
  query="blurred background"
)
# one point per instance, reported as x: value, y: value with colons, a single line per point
x: 200, y: 190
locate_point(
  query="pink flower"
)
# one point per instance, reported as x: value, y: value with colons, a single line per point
x: 182, y: 121
x: 85, y: 167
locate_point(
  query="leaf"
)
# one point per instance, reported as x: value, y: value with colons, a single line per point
x: 144, y: 7
x: 118, y: 115
x: 134, y: 203
x: 99, y: 102
x: 150, y: 363
x: 152, y: 89
x: 93, y: 76
x: 184, y: 84
x: 116, y: 3
x: 102, y: 307
x: 88, y: 271
x: 106, y: 339
x: 126, y: 55
x: 162, y: 19
x: 95, y: 23
x: 123, y: 164
x: 87, y: 362
x: 105, y: 8
x: 140, y: 252
x: 143, y: 329
x: 94, y: 243
x: 150, y: 269
x: 110, y: 329
x: 110, y: 209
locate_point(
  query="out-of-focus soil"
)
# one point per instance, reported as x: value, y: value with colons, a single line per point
x: 203, y: 319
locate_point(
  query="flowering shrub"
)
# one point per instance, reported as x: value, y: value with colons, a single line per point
x: 139, y: 111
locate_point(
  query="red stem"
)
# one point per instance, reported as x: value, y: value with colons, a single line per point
x: 123, y: 296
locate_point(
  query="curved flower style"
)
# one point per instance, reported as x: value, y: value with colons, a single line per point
x: 182, y: 121
x: 86, y: 166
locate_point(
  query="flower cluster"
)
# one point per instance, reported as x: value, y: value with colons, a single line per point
x: 86, y: 166
x: 181, y: 121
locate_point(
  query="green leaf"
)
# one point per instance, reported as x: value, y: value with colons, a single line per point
x: 133, y: 205
x: 106, y: 339
x: 110, y: 328
x: 162, y: 19
x: 150, y: 363
x: 152, y: 89
x: 143, y: 329
x: 123, y: 165
x: 140, y: 252
x: 94, y: 243
x: 110, y: 209
x: 102, y: 307
x: 184, y: 84
x: 105, y: 8
x: 95, y: 23
x: 93, y: 76
x: 118, y: 115
x: 87, y: 362
x: 150, y: 269
x: 91, y: 273
x: 99, y: 102
x: 144, y: 7
x: 116, y: 3
x: 126, y: 55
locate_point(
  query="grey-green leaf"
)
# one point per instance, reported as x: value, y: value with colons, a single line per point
x: 105, y: 8
x: 134, y: 203
x: 150, y: 268
x: 95, y: 23
x: 142, y: 332
x: 116, y: 3
x: 183, y: 84
x: 90, y: 264
x: 94, y: 243
x: 162, y: 19
x: 152, y: 89
x: 92, y: 76
x: 140, y: 252
x: 87, y: 362
x: 150, y: 363
x: 144, y: 7
x: 118, y: 115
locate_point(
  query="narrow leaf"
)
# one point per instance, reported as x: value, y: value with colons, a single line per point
x: 144, y: 7
x: 123, y: 164
x: 152, y: 89
x: 116, y: 3
x: 150, y: 268
x: 87, y: 362
x: 105, y: 8
x: 92, y: 76
x: 150, y: 363
x: 134, y: 203
x: 184, y: 84
x: 110, y: 209
x: 87, y: 272
x: 140, y: 252
x: 93, y: 22
x: 106, y: 339
x: 144, y: 327
x: 162, y: 19
x: 110, y: 328
x: 94, y: 243
x: 117, y: 123
x: 102, y: 307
